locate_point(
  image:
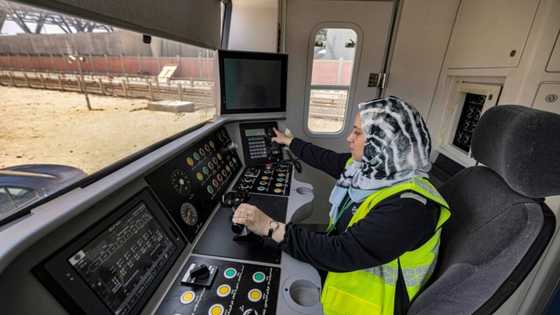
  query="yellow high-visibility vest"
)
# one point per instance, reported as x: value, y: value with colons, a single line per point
x: 373, y: 290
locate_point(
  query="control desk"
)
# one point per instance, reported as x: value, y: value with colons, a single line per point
x: 171, y: 248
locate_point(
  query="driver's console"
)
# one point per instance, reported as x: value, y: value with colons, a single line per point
x: 180, y: 222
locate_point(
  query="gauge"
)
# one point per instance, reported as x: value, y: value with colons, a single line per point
x: 190, y: 161
x: 181, y: 182
x: 189, y: 214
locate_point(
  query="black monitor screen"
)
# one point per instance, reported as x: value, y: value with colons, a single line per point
x: 114, y: 267
x: 120, y: 264
x: 252, y: 82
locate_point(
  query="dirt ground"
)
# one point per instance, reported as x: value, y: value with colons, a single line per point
x: 41, y: 126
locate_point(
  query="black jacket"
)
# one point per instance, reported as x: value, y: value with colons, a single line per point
x: 396, y: 225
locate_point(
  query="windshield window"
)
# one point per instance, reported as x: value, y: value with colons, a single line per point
x: 85, y: 95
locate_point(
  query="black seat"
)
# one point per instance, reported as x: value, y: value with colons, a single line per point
x: 500, y: 224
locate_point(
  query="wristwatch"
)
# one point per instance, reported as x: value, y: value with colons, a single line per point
x: 273, y: 225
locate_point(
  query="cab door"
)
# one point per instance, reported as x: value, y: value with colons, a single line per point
x: 335, y: 48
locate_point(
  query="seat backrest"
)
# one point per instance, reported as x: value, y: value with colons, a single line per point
x: 500, y: 224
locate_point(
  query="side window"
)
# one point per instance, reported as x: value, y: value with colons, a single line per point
x: 21, y: 195
x: 85, y: 94
x: 334, y: 51
x: 6, y: 202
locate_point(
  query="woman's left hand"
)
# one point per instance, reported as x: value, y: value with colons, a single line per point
x: 253, y: 218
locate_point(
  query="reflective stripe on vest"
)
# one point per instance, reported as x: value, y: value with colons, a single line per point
x: 372, y: 290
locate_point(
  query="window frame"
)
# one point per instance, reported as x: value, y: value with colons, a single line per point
x: 351, y: 89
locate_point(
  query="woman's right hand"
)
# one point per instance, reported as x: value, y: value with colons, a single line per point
x: 281, y: 137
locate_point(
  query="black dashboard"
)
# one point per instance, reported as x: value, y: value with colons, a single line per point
x: 191, y: 184
x: 116, y: 265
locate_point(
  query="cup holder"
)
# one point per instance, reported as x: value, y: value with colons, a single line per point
x: 304, y: 293
x: 304, y: 190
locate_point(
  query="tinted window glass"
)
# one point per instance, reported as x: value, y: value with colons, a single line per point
x: 333, y: 62
x: 84, y: 94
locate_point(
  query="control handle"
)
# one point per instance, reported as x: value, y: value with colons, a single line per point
x: 232, y: 200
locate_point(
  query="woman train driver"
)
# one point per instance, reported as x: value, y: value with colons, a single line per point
x: 381, y: 245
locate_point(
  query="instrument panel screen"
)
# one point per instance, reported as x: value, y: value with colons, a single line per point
x: 122, y: 262
x: 254, y: 132
x: 114, y: 266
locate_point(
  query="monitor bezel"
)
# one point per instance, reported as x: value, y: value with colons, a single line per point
x: 251, y: 55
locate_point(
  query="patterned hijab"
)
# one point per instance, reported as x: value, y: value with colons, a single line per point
x: 397, y: 147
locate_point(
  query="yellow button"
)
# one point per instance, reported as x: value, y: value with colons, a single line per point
x: 254, y: 295
x: 187, y: 297
x: 190, y: 161
x: 223, y: 290
x: 216, y: 309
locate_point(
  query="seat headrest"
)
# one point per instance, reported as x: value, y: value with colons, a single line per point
x: 522, y: 145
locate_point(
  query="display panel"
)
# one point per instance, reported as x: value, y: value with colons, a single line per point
x: 114, y: 267
x: 120, y: 264
x: 255, y: 132
x: 258, y: 147
x: 470, y: 115
x: 252, y: 82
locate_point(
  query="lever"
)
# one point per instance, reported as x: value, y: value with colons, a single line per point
x: 233, y: 199
x: 295, y: 162
x: 200, y: 272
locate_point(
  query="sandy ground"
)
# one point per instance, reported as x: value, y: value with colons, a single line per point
x: 40, y: 126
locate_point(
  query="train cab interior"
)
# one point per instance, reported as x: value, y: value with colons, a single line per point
x: 193, y: 90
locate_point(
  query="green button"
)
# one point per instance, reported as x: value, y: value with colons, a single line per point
x: 258, y: 277
x: 230, y: 273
